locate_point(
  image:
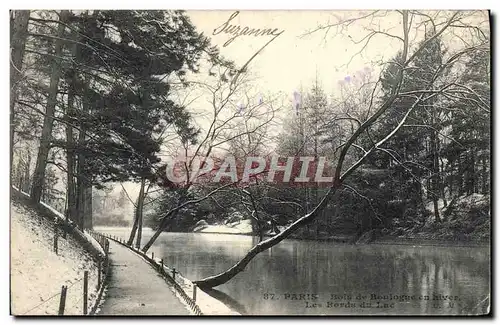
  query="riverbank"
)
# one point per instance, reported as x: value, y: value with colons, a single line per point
x: 349, y: 240
x: 242, y: 227
x: 463, y: 221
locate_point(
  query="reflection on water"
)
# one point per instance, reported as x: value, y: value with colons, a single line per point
x: 274, y: 280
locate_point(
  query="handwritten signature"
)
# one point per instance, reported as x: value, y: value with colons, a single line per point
x: 237, y: 30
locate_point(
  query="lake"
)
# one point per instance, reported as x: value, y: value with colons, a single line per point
x: 305, y: 277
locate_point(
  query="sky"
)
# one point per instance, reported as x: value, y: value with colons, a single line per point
x: 292, y: 60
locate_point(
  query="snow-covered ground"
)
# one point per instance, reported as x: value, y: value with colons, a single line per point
x: 37, y: 273
x: 470, y: 200
x: 239, y: 227
x: 243, y: 227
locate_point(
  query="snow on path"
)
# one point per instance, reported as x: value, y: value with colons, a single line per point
x: 135, y: 288
x: 37, y: 273
x: 208, y: 304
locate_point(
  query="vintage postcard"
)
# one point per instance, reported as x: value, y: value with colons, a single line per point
x: 168, y: 162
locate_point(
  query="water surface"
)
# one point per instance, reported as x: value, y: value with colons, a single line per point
x: 310, y: 277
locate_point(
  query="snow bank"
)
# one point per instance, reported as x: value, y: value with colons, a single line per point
x: 243, y: 227
x: 474, y: 199
x: 23, y: 193
x: 54, y: 211
x: 470, y: 200
x: 37, y: 273
x: 94, y: 243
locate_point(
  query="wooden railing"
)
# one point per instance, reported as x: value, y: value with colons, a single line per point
x: 103, y: 267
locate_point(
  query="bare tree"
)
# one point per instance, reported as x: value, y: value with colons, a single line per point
x: 409, y: 50
x: 43, y: 150
x: 19, y: 32
x: 230, y: 106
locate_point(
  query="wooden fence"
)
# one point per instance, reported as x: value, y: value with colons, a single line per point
x: 103, y: 267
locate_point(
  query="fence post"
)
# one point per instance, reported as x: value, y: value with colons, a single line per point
x: 194, y: 292
x: 85, y: 290
x: 56, y: 235
x: 162, y: 269
x: 173, y: 272
x: 62, y: 301
x: 66, y: 218
x: 153, y: 256
x: 107, y: 256
x: 99, y: 272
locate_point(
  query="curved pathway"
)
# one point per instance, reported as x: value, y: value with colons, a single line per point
x: 135, y: 288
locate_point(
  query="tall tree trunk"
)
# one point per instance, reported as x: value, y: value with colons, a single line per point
x: 485, y: 182
x: 134, y: 228
x: 436, y: 208
x: 451, y: 178
x: 435, y: 187
x: 80, y: 192
x: 70, y: 143
x: 163, y: 224
x: 475, y: 172
x: 83, y: 197
x: 84, y: 178
x: 26, y: 185
x: 224, y: 277
x: 140, y: 207
x: 470, y: 173
x: 20, y: 174
x: 19, y: 32
x: 71, y: 186
x: 442, y: 187
x: 87, y: 206
x: 442, y: 181
x: 461, y: 174
x: 259, y: 223
x: 43, y: 149
x: 81, y: 180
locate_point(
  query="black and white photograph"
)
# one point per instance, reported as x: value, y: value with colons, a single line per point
x: 250, y: 162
